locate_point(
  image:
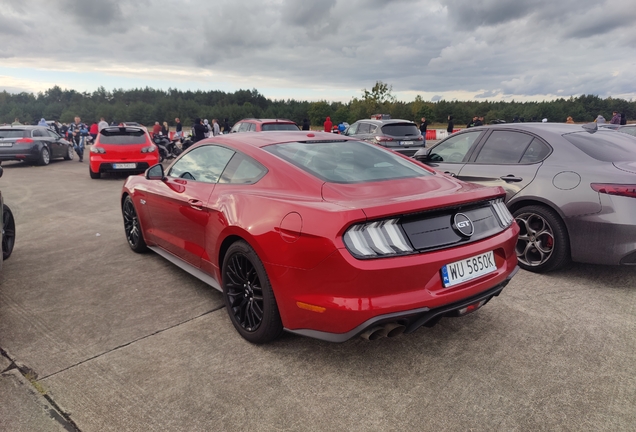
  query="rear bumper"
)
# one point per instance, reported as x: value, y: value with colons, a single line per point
x: 108, y: 167
x: 20, y: 153
x: 353, y: 294
x: 412, y: 319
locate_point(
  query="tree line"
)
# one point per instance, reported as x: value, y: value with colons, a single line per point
x: 148, y: 105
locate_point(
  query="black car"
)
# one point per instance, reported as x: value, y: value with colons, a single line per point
x: 402, y: 136
x: 8, y: 228
x: 35, y: 144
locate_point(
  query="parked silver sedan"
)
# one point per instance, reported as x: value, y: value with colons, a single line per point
x: 572, y: 189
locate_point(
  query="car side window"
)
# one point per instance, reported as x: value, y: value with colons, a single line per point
x: 373, y: 129
x: 243, y: 170
x: 252, y: 127
x: 353, y: 129
x: 38, y: 133
x: 244, y: 127
x: 455, y: 148
x: 504, y: 147
x: 203, y: 164
x: 536, y: 152
x: 53, y: 134
x: 364, y: 128
x: 236, y: 127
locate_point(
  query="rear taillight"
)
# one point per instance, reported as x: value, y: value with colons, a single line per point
x: 149, y: 149
x: 615, y: 189
x: 97, y: 150
x: 24, y: 141
x: 502, y: 212
x: 383, y: 138
x: 377, y: 239
x: 420, y: 138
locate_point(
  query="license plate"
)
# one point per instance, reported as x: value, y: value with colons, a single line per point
x: 467, y: 269
x: 6, y: 144
x: 406, y: 142
x: 125, y: 166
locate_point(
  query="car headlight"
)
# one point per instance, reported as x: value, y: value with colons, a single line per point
x: 502, y: 212
x: 377, y: 239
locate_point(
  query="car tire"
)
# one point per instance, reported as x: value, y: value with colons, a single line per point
x: 132, y: 227
x: 45, y: 156
x: 94, y: 175
x: 248, y: 294
x: 543, y: 243
x: 69, y: 153
x: 8, y: 232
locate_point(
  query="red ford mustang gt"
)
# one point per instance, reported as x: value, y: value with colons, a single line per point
x: 323, y: 235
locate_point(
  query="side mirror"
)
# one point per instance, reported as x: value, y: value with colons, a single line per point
x: 423, y: 154
x: 155, y: 172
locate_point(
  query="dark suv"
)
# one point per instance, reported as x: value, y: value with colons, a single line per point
x: 264, y: 125
x: 402, y: 136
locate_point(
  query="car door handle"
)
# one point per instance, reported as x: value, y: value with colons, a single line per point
x: 511, y: 178
x: 450, y: 173
x: 196, y: 204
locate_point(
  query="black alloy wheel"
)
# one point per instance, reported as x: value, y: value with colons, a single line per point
x: 543, y: 244
x: 8, y: 232
x: 248, y: 295
x: 132, y: 227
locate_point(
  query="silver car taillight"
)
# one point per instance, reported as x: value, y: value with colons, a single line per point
x: 377, y: 239
x: 502, y: 212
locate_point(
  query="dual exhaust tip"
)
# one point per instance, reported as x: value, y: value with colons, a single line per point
x: 387, y: 330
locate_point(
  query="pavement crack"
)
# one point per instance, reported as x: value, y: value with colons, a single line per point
x: 133, y: 341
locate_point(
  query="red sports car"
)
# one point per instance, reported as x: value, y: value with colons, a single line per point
x: 322, y: 235
x: 122, y: 149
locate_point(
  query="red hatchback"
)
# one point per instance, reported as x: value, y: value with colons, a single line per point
x: 322, y: 235
x: 122, y: 149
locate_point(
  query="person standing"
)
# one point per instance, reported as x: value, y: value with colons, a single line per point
x: 43, y: 122
x: 423, y: 128
x: 156, y: 129
x: 199, y: 130
x: 472, y: 122
x: 328, y: 125
x: 165, y: 130
x: 226, y: 126
x: 623, y: 119
x: 306, y: 125
x: 78, y: 133
x: 480, y: 121
x: 599, y: 119
x: 616, y: 118
x: 16, y: 122
x: 64, y: 130
x: 179, y: 132
x: 451, y: 125
x: 569, y: 120
x: 102, y: 124
x: 216, y: 129
x: 94, y: 129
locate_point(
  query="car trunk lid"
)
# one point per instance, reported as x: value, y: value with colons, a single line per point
x: 404, y: 196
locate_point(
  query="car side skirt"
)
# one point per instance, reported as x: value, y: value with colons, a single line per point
x: 204, y: 277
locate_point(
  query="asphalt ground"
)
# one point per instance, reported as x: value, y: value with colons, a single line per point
x: 126, y: 342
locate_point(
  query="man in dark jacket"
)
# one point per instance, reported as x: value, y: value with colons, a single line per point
x: 423, y: 127
x: 479, y: 122
x: 616, y: 118
x: 199, y: 130
x: 451, y: 125
x: 306, y: 124
x: 623, y: 119
x: 78, y: 132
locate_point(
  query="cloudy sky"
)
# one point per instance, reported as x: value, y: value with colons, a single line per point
x: 324, y: 49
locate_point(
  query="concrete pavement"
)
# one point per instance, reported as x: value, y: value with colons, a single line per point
x: 121, y: 341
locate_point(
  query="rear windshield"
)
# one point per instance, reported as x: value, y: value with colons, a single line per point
x: 400, y: 129
x: 11, y: 133
x: 605, y: 146
x: 347, y: 161
x: 279, y: 127
x: 122, y: 136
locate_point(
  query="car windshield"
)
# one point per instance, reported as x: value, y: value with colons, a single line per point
x: 347, y: 161
x: 279, y: 127
x: 400, y: 129
x: 122, y: 136
x: 605, y: 146
x: 11, y: 133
